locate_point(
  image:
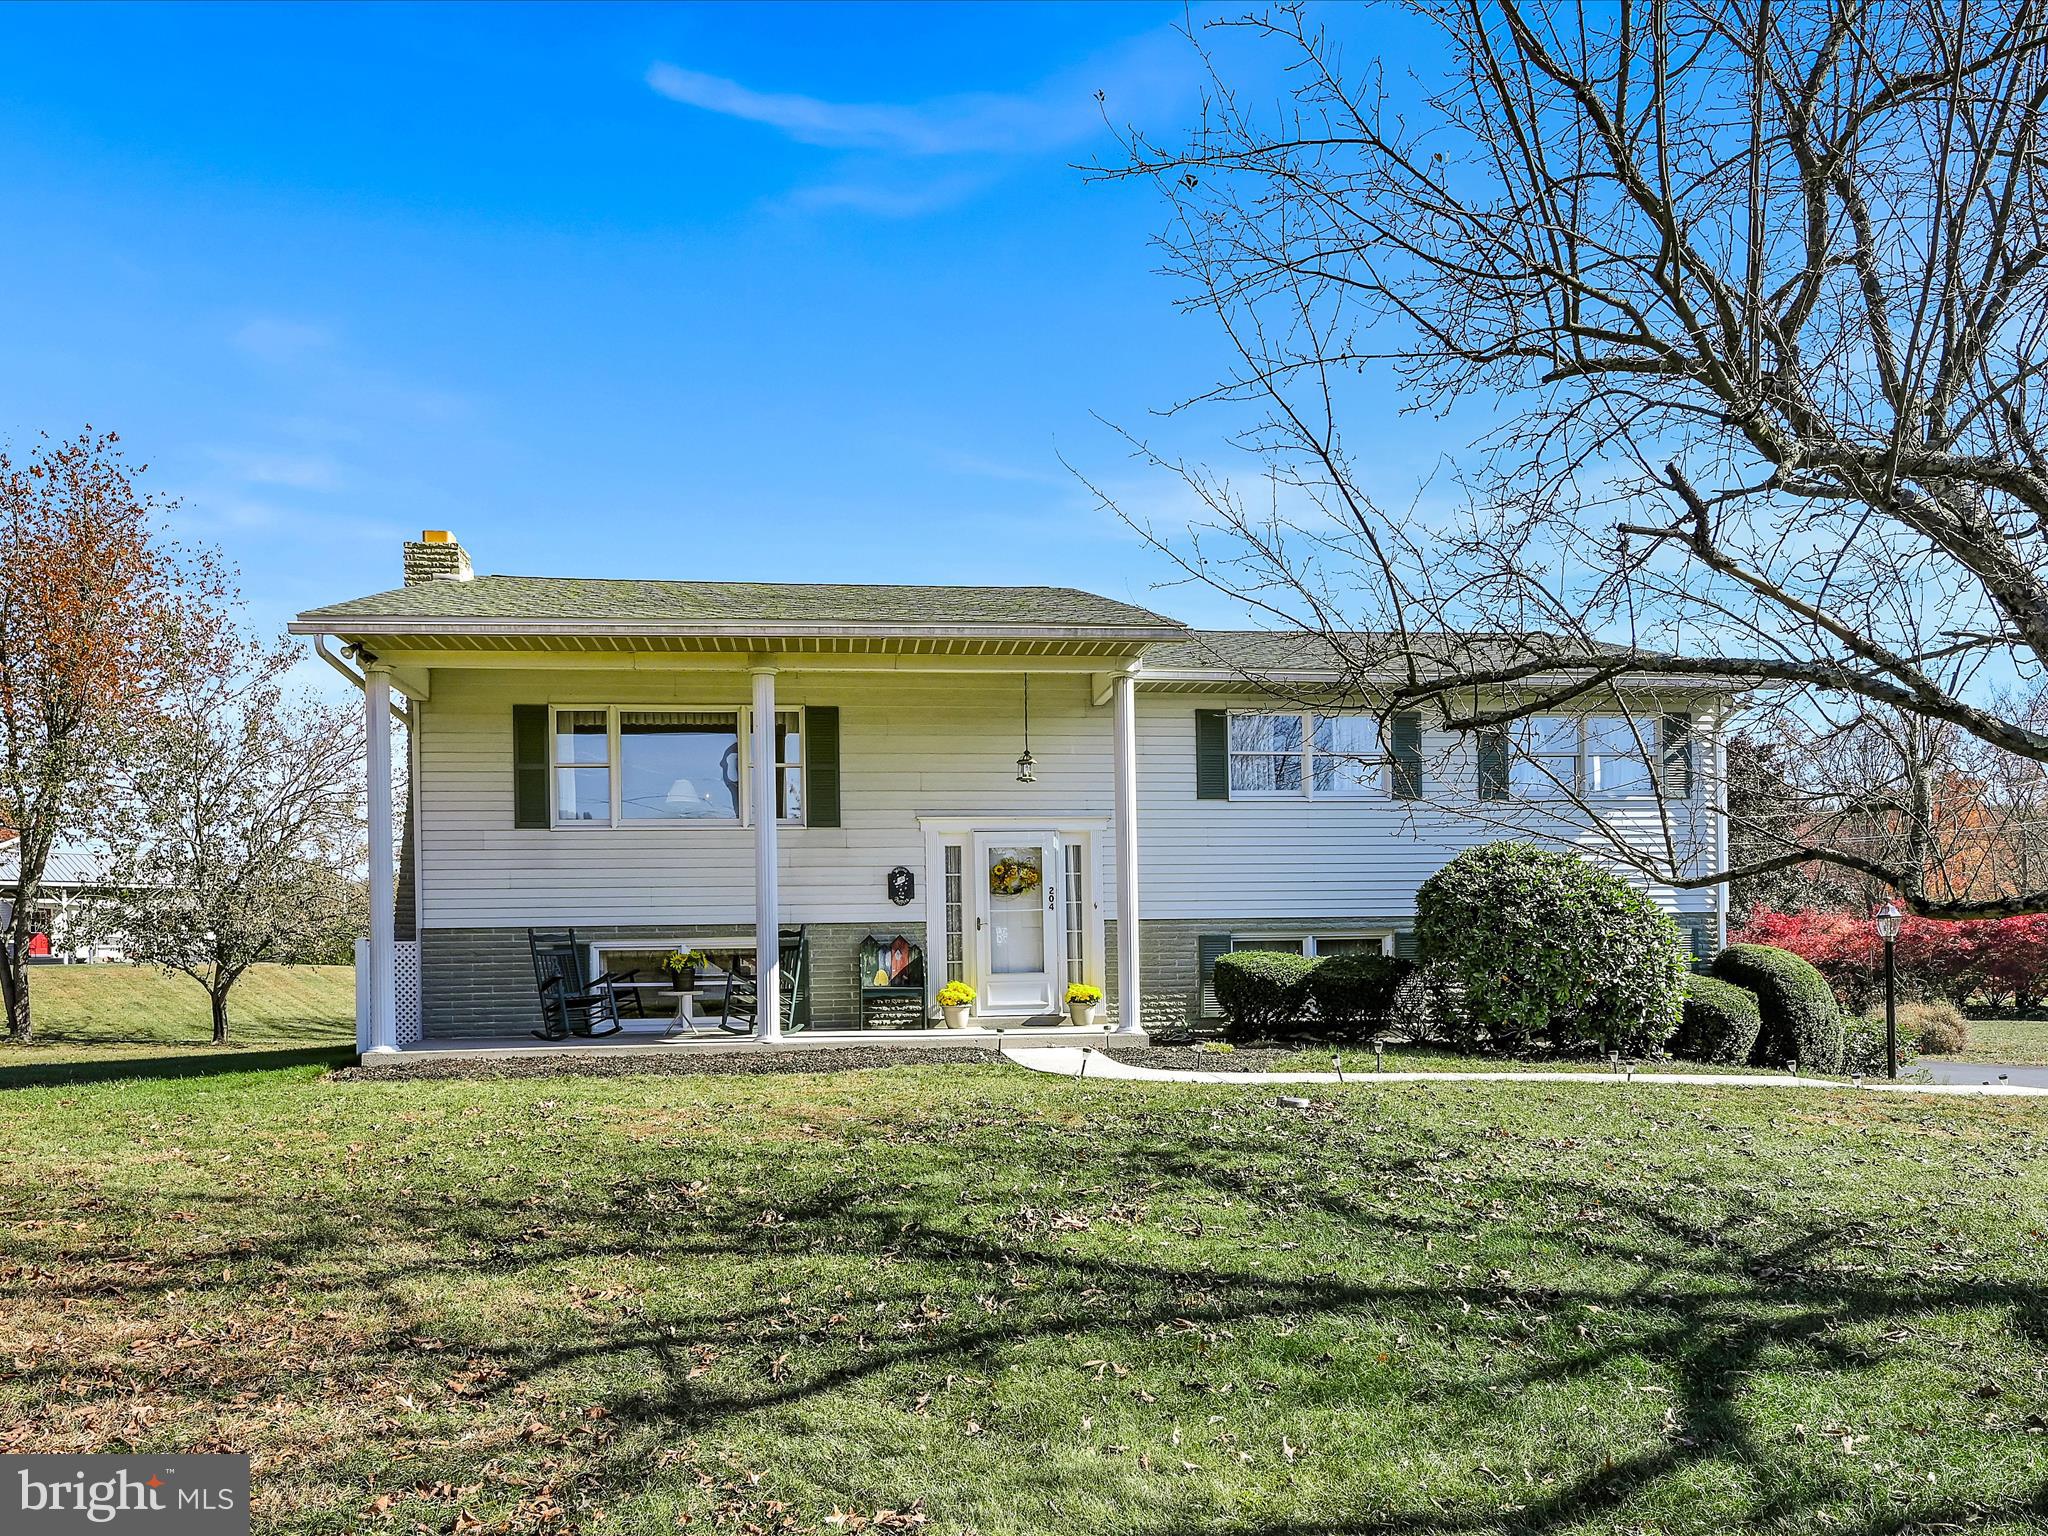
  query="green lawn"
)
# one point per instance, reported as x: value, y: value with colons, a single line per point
x: 1423, y: 1058
x: 1003, y: 1303
x: 2015, y: 1042
x: 93, y: 1020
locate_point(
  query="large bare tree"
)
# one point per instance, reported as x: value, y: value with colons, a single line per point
x: 1748, y: 303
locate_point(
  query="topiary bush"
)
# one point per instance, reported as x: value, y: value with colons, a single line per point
x: 1801, y: 1021
x: 1721, y: 1023
x: 1354, y: 993
x: 1262, y: 992
x: 1544, y: 949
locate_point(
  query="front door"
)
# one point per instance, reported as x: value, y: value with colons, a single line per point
x: 1017, y: 929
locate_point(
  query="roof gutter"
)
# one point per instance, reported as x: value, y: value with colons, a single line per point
x: 1224, y: 676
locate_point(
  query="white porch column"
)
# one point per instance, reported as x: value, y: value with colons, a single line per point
x: 767, y: 902
x: 383, y: 874
x: 1128, y: 978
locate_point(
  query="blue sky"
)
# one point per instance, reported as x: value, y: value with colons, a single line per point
x: 771, y: 292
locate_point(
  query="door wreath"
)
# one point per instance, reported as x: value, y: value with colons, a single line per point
x: 1012, y: 877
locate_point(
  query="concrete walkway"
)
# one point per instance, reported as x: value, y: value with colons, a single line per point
x: 1073, y: 1061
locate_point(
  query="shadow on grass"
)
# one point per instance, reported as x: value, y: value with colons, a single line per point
x: 953, y: 1285
x: 200, y: 1061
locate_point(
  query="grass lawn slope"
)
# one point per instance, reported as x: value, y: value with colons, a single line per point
x: 103, y: 1020
x: 970, y: 1299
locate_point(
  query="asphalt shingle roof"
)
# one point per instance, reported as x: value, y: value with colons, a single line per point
x: 1252, y: 652
x: 568, y: 599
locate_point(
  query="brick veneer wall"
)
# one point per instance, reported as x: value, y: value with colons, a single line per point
x: 478, y: 982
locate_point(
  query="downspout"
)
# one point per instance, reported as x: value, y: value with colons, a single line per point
x: 399, y: 711
x: 1724, y: 889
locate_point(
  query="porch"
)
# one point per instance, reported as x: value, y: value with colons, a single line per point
x: 916, y: 826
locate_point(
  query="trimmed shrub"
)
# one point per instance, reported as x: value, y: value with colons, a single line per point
x: 1353, y: 993
x: 1939, y: 1029
x: 1863, y: 1046
x: 1721, y: 1023
x: 1543, y: 949
x: 1801, y: 1021
x: 1263, y: 992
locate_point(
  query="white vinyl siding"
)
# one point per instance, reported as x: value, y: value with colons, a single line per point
x: 1288, y: 856
x: 914, y: 745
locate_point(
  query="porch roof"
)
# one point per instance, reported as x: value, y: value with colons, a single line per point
x: 580, y: 613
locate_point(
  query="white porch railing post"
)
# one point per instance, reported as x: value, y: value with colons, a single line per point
x: 767, y: 902
x: 1129, y: 982
x: 383, y: 1031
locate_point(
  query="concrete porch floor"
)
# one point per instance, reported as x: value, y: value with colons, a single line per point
x: 1026, y: 1032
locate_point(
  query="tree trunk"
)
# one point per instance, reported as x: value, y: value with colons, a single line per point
x: 14, y: 992
x: 14, y: 981
x: 219, y: 996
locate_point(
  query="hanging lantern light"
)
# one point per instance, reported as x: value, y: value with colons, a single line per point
x: 1027, y: 765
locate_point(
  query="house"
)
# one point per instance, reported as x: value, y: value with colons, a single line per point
x: 1033, y: 786
x: 61, y: 930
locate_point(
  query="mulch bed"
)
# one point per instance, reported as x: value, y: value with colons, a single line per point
x: 650, y: 1064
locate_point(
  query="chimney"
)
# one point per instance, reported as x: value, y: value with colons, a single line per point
x: 435, y: 556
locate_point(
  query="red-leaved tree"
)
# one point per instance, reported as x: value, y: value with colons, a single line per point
x: 95, y: 605
x: 2007, y: 957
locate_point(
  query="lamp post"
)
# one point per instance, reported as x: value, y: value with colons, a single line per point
x: 1889, y: 919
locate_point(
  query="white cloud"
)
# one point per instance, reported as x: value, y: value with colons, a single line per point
x: 975, y: 123
x: 889, y: 144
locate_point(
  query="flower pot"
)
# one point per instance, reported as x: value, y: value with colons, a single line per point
x: 956, y: 1015
x: 1081, y: 1015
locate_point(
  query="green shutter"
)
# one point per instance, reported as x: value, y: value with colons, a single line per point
x: 1209, y: 948
x: 530, y: 765
x: 1212, y: 754
x: 1407, y: 755
x: 1404, y: 943
x: 1674, y: 756
x: 821, y: 764
x: 1493, y: 765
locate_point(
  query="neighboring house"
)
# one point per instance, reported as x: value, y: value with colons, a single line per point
x: 601, y: 754
x: 60, y: 930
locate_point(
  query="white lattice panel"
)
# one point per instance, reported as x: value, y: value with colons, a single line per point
x: 405, y: 993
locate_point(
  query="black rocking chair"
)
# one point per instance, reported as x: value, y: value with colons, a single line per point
x: 742, y: 1008
x: 572, y: 1002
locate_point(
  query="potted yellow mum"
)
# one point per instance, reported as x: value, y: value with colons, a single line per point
x: 1082, y: 1001
x: 955, y: 998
